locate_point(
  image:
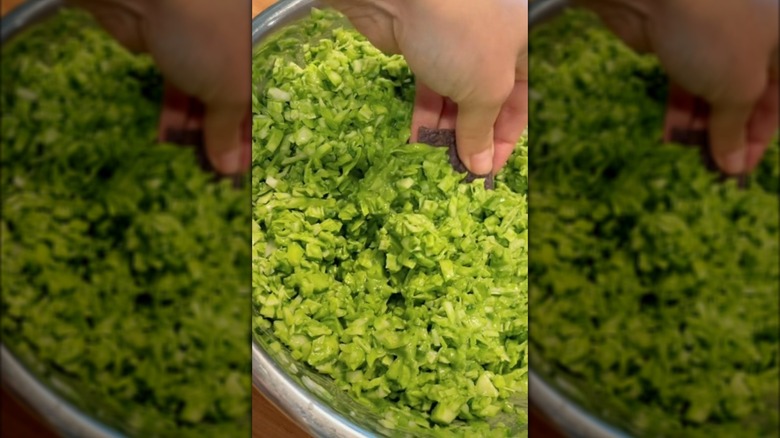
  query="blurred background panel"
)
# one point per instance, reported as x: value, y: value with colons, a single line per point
x: 17, y: 419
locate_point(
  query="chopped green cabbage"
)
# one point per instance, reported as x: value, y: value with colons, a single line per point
x: 372, y: 261
x: 125, y: 282
x: 654, y: 286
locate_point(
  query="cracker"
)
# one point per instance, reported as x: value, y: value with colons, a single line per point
x: 446, y: 138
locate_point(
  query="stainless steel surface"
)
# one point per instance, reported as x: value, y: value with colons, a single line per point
x: 26, y: 15
x: 279, y: 15
x: 299, y: 403
x: 573, y: 420
x: 540, y: 11
x: 68, y: 420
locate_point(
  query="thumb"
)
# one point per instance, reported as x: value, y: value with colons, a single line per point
x: 223, y: 137
x: 686, y: 117
x: 728, y: 136
x: 474, y: 134
x: 739, y: 123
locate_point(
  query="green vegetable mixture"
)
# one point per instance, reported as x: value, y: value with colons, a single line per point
x: 654, y: 286
x: 125, y: 282
x: 372, y: 262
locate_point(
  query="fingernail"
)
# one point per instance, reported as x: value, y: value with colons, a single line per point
x: 734, y: 162
x: 480, y: 163
x: 229, y: 162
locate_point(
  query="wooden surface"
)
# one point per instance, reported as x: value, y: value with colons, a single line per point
x: 259, y: 5
x: 17, y: 420
x: 7, y: 5
x: 269, y: 422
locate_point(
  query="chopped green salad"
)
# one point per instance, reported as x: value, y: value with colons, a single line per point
x: 373, y: 262
x: 125, y: 275
x: 654, y: 285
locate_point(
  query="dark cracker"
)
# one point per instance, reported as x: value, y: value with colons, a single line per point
x: 446, y: 138
x: 490, y: 184
x: 452, y: 152
x: 436, y: 137
x: 690, y: 137
x: 190, y: 137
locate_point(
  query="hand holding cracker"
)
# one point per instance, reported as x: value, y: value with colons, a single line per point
x: 202, y: 47
x: 470, y: 60
x: 719, y: 53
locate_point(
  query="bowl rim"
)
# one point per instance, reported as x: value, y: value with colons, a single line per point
x: 62, y: 415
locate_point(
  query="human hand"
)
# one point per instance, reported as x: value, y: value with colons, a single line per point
x: 202, y: 48
x: 720, y: 51
x: 471, y: 65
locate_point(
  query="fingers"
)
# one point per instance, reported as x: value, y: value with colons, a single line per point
x: 685, y: 116
x: 474, y: 135
x: 224, y: 139
x: 174, y: 112
x: 428, y: 107
x: 763, y: 124
x: 728, y: 139
x: 738, y: 136
x: 474, y: 130
x: 511, y: 122
x: 449, y: 114
x: 122, y: 20
x: 473, y: 124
